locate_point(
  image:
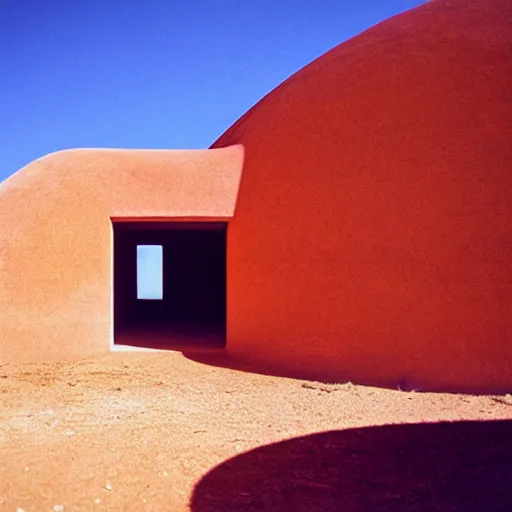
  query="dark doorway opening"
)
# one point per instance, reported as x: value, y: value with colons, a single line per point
x: 170, y: 284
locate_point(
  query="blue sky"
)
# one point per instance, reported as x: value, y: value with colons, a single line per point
x: 153, y: 73
x: 150, y: 272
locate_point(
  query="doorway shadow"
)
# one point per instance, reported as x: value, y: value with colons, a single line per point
x: 459, y: 466
x: 190, y: 311
x: 194, y: 338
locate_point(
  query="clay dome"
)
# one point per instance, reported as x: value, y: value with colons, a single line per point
x: 356, y: 224
x: 374, y: 219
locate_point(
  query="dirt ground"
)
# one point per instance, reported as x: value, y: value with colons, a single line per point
x: 146, y: 431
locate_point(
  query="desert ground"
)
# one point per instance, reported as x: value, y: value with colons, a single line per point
x: 155, y: 431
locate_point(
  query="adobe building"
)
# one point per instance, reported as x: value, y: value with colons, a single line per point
x: 355, y: 224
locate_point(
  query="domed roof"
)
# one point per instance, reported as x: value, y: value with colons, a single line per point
x: 374, y: 212
x: 411, y: 79
x: 369, y: 211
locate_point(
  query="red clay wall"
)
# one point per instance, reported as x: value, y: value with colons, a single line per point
x: 56, y: 237
x: 372, y: 235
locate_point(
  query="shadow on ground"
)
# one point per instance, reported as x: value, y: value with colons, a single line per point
x: 223, y: 359
x: 459, y: 466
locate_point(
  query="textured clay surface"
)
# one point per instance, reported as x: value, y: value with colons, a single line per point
x: 373, y: 223
x: 369, y: 233
x: 56, y: 237
x: 156, y: 432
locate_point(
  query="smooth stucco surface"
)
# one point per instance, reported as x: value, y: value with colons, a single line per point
x: 56, y: 237
x: 373, y: 232
x: 372, y: 235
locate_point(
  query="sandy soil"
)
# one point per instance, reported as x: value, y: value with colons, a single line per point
x: 159, y: 432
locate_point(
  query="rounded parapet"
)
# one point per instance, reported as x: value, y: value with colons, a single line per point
x: 56, y: 236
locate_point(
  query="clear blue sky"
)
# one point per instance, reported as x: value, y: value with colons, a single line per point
x: 153, y: 73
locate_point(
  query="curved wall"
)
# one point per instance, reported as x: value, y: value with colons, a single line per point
x: 56, y: 237
x: 372, y: 235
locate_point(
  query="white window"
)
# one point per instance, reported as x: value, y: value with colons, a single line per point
x: 150, y: 272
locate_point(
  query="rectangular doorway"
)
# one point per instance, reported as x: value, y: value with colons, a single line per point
x: 170, y: 284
